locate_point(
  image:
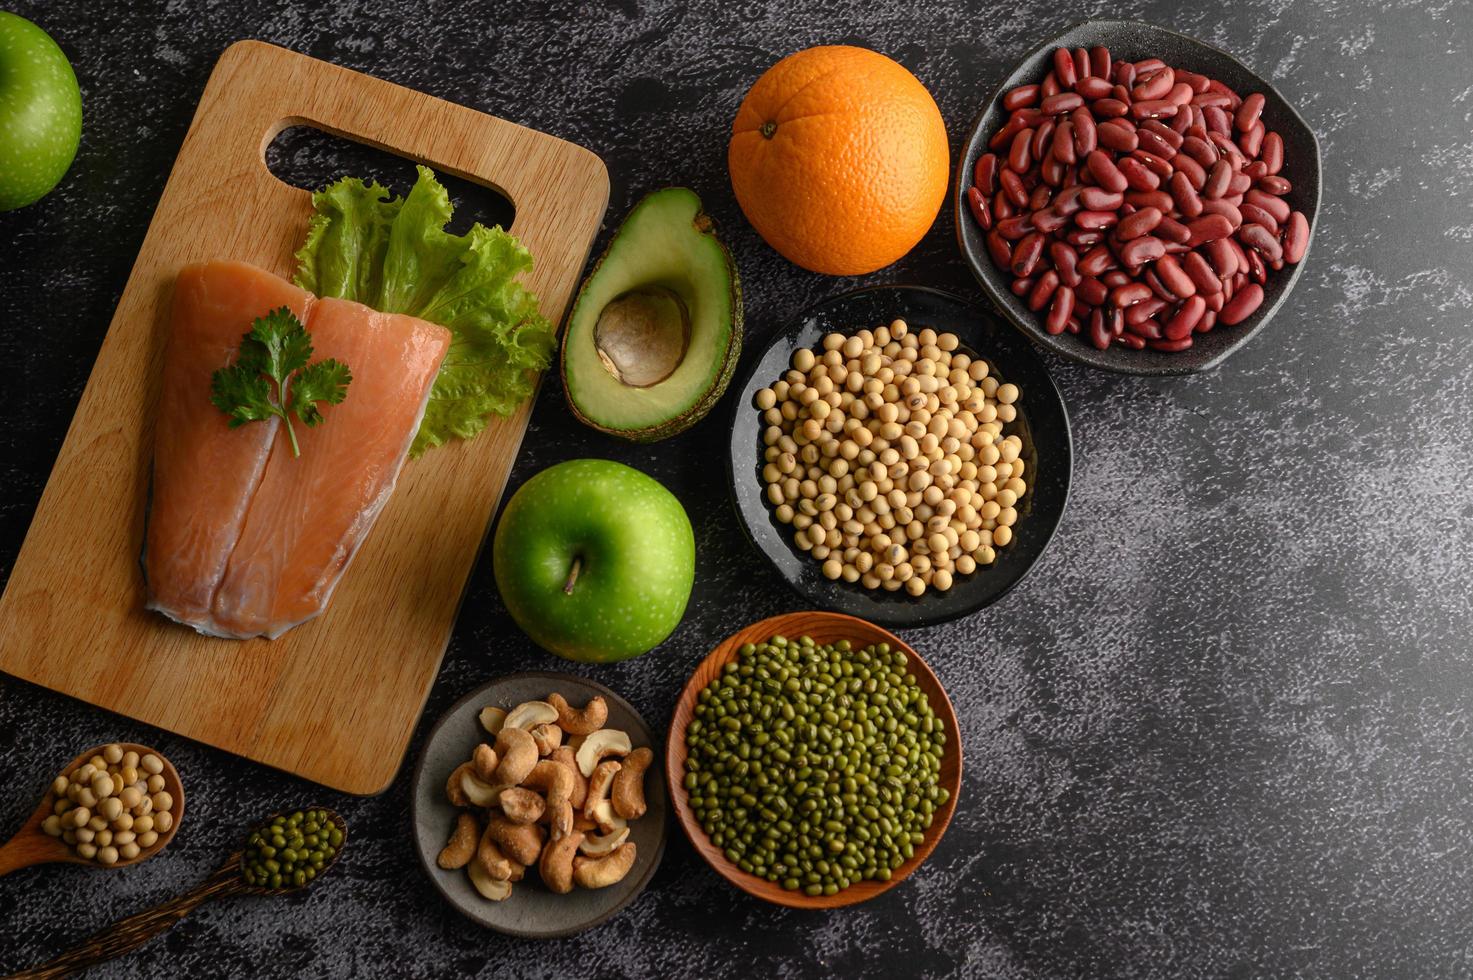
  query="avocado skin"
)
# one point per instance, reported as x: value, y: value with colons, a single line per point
x: 704, y: 225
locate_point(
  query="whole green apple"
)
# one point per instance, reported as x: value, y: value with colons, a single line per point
x: 40, y: 112
x: 595, y: 560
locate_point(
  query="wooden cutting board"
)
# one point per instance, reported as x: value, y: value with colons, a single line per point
x: 334, y: 700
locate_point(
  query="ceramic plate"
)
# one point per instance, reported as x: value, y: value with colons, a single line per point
x: 532, y: 912
x: 1043, y: 425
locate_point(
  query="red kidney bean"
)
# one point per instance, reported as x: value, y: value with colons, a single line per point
x: 1149, y: 64
x: 977, y: 202
x: 1208, y: 321
x: 1256, y: 170
x: 1139, y: 251
x: 1002, y: 206
x: 1104, y: 171
x: 1151, y: 142
x: 1049, y: 86
x: 1262, y: 240
x: 1021, y: 287
x: 1255, y: 214
x: 1099, y: 334
x: 1063, y: 143
x: 1138, y: 224
x: 1099, y: 199
x: 1020, y: 156
x: 1145, y: 328
x: 1096, y: 261
x: 1296, y: 237
x: 1049, y: 221
x: 984, y: 175
x: 1159, y: 200
x: 1081, y: 63
x: 1170, y: 346
x: 1082, y: 126
x: 1017, y: 227
x: 1066, y: 261
x: 1272, y: 152
x: 1185, y: 198
x: 1197, y: 82
x: 1116, y: 137
x: 1181, y: 121
x: 1234, y: 216
x: 1186, y: 318
x: 1154, y: 109
x: 1043, y: 290
x: 1199, y: 150
x: 1027, y: 253
x: 1141, y: 312
x: 1201, y: 274
x: 999, y: 249
x: 1064, y: 69
x: 1080, y: 238
x: 1067, y: 201
x: 1124, y: 73
x: 1038, y: 198
x: 1099, y: 61
x: 1196, y: 176
x: 1275, y: 206
x: 1060, y: 310
x: 1132, y: 341
x: 1217, y: 120
x: 1018, y: 121
x: 1153, y: 163
x: 1152, y: 85
x: 1174, y: 277
x: 1239, y: 255
x: 1094, y: 88
x: 1238, y: 184
x: 1116, y: 277
x: 1109, y: 108
x: 1181, y: 93
x: 1164, y: 131
x: 1062, y: 102
x: 1211, y: 100
x: 1275, y: 185
x: 1257, y: 271
x: 1020, y: 97
x: 1136, y: 174
x: 1248, y: 112
x: 1012, y: 186
x: 1209, y: 227
x: 1150, y: 278
x: 1217, y: 179
x: 1224, y: 259
x: 1217, y: 299
x: 1043, y: 137
x: 1129, y: 294
x: 1095, y: 220
x: 1252, y: 141
x: 1242, y: 305
x: 1092, y: 291
x: 1172, y: 231
x: 1053, y: 172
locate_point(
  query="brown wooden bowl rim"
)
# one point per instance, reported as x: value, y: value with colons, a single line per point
x: 760, y: 887
x: 172, y: 784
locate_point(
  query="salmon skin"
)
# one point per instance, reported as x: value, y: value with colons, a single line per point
x: 244, y: 539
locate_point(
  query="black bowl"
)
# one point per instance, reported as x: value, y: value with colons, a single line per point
x: 1135, y: 41
x: 1042, y: 424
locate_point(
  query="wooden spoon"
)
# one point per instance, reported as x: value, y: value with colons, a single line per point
x: 32, y: 845
x: 135, y: 931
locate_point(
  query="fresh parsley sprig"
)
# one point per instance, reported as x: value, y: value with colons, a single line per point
x: 271, y: 376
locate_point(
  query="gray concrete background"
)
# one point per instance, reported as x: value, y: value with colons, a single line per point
x: 1223, y: 730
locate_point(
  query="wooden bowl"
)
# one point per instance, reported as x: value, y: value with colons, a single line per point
x: 823, y: 627
x: 31, y: 845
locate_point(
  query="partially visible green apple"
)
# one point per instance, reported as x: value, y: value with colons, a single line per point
x: 40, y: 112
x: 595, y: 560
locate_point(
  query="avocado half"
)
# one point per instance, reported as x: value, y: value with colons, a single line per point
x: 656, y: 329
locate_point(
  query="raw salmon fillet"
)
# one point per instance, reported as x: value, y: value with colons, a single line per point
x: 292, y: 531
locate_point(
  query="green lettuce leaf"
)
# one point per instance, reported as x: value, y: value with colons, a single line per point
x: 394, y: 255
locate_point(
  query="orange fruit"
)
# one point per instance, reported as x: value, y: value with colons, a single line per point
x: 838, y: 157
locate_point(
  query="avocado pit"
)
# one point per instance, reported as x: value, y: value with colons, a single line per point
x: 642, y: 336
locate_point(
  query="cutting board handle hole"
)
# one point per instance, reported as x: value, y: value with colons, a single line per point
x: 310, y: 158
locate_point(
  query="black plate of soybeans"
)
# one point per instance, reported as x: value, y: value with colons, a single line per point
x: 1133, y: 41
x: 1042, y: 425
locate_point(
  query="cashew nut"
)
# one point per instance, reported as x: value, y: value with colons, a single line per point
x: 605, y: 741
x: 585, y: 824
x: 586, y: 720
x: 492, y: 719
x: 599, y: 785
x: 478, y: 793
x: 489, y: 888
x: 605, y: 871
x: 521, y: 842
x: 518, y: 754
x: 564, y: 756
x: 492, y: 859
x: 530, y: 714
x: 462, y: 845
x: 485, y: 761
x: 608, y: 821
x: 522, y: 805
x: 599, y: 846
x: 557, y: 782
x: 628, y: 794
x: 454, y: 792
x: 556, y: 865
x: 548, y: 738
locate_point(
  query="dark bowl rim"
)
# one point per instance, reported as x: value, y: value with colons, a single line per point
x: 1066, y: 435
x: 1074, y: 350
x: 432, y: 870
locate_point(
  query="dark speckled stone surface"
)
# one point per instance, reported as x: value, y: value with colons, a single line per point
x: 1223, y: 730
